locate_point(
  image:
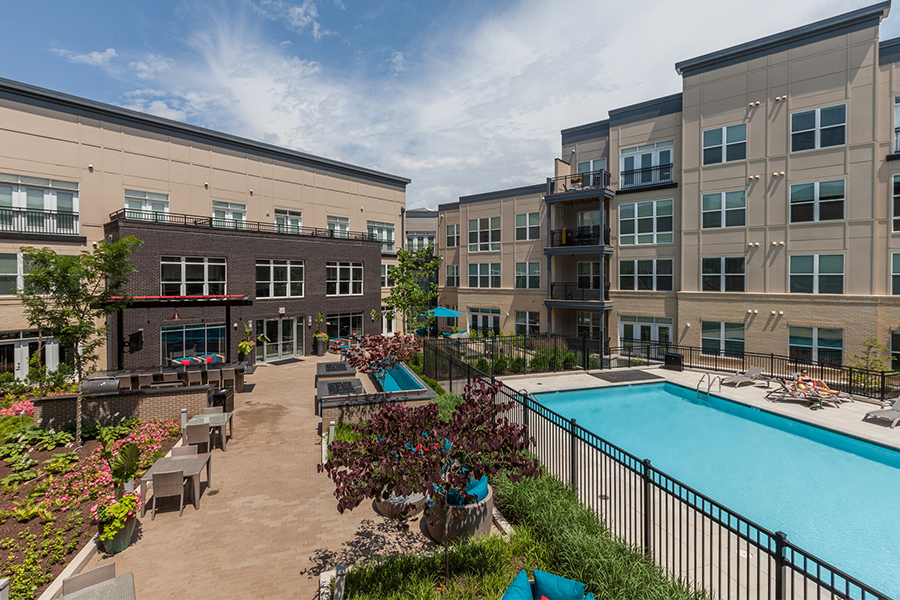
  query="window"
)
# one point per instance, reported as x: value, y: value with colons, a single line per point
x: 725, y: 144
x: 383, y: 232
x: 589, y: 323
x: 591, y: 166
x: 896, y: 203
x: 229, y: 214
x: 486, y: 275
x: 723, y: 274
x: 646, y: 223
x: 896, y: 125
x: 289, y: 221
x: 452, y: 236
x: 146, y: 205
x: 648, y: 274
x: 344, y: 325
x: 817, y: 274
x: 484, y: 234
x: 816, y: 344
x: 895, y: 351
x: 192, y: 340
x: 13, y: 268
x: 343, y: 279
x: 819, y: 128
x: 452, y: 275
x: 191, y: 276
x: 589, y: 276
x: 649, y: 164
x: 817, y: 201
x: 722, y: 339
x: 338, y: 226
x: 419, y: 241
x: 895, y: 275
x: 725, y: 209
x: 528, y: 276
x: 279, y: 278
x: 387, y: 277
x: 528, y: 226
x: 528, y: 322
x: 588, y: 218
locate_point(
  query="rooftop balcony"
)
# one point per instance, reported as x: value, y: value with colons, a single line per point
x: 590, y: 235
x: 660, y: 175
x: 578, y: 182
x: 42, y: 222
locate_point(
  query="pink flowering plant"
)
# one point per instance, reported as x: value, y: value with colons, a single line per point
x: 112, y: 514
x: 24, y: 407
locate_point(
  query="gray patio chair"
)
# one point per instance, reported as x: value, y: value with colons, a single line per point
x: 184, y: 451
x: 891, y: 414
x: 170, y: 376
x: 124, y: 382
x: 785, y: 392
x: 228, y: 377
x: 196, y: 435
x: 166, y: 485
x: 193, y: 378
x: 213, y: 410
x: 88, y: 578
x: 214, y: 377
x: 144, y: 381
x: 749, y: 376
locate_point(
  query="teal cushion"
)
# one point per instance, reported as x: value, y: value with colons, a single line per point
x: 556, y: 587
x: 519, y: 589
x: 589, y: 596
x: 475, y: 487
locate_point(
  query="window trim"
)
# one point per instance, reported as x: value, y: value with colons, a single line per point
x: 529, y: 277
x: 529, y: 226
x: 384, y: 233
x: 817, y: 128
x: 147, y: 199
x: 816, y: 201
x: 523, y: 320
x: 815, y: 358
x: 656, y: 233
x: 724, y: 144
x: 454, y: 236
x: 721, y: 338
x: 386, y: 280
x: 289, y: 216
x: 655, y: 276
x: 723, y: 209
x: 452, y: 280
x: 816, y: 274
x: 895, y: 274
x: 340, y: 267
x: 488, y: 275
x: 290, y: 265
x: 492, y: 245
x: 723, y: 275
x: 19, y: 274
x: 183, y: 283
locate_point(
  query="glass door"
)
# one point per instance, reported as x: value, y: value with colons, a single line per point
x: 280, y: 338
x: 300, y: 348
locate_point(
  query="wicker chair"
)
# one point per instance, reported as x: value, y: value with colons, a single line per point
x: 214, y: 377
x: 166, y: 485
x: 213, y: 410
x: 193, y: 378
x: 74, y: 583
x: 184, y: 451
x: 124, y: 382
x: 144, y: 381
x: 197, y: 434
x: 228, y: 378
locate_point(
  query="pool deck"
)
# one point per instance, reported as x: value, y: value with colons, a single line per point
x: 847, y: 419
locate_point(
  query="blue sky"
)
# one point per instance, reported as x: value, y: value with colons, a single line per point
x: 461, y: 96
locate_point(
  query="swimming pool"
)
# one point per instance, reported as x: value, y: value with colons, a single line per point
x: 832, y: 494
x: 399, y: 379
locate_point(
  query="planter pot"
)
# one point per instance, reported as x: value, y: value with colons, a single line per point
x: 250, y: 358
x: 465, y: 521
x: 321, y: 346
x: 120, y: 540
x: 393, y: 506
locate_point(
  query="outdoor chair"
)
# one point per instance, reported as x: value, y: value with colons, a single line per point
x: 193, y: 378
x: 197, y: 434
x: 214, y: 377
x: 808, y: 395
x: 751, y: 375
x: 124, y: 382
x: 166, y: 485
x: 145, y: 380
x: 72, y: 584
x: 184, y: 451
x: 228, y: 379
x: 891, y: 414
x: 170, y: 376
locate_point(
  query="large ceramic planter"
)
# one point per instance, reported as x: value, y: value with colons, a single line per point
x: 321, y: 346
x: 120, y: 540
x: 393, y: 506
x: 465, y: 521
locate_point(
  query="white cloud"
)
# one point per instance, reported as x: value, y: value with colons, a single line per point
x: 150, y: 66
x: 398, y: 62
x: 96, y: 59
x: 296, y: 17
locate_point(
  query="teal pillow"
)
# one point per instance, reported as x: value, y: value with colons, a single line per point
x: 589, y: 596
x: 556, y: 587
x: 519, y: 589
x: 475, y: 487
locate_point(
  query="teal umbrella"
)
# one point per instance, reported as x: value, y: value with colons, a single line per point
x: 441, y: 311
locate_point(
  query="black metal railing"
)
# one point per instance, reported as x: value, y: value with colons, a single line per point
x: 586, y: 235
x: 574, y: 291
x: 694, y: 538
x: 21, y: 220
x: 592, y: 180
x: 254, y: 226
x: 645, y: 177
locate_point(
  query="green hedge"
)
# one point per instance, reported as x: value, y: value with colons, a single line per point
x: 428, y: 380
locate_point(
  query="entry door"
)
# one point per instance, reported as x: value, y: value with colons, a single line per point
x: 485, y: 324
x: 300, y: 338
x: 646, y: 335
x: 14, y: 357
x: 387, y: 324
x: 280, y: 333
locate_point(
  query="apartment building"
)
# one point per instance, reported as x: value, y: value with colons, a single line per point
x: 234, y: 231
x: 758, y: 209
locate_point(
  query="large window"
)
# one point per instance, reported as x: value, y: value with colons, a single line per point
x: 589, y: 323
x: 528, y: 276
x: 528, y: 322
x: 38, y: 205
x: 387, y: 278
x: 419, y: 241
x: 528, y: 226
x: 13, y: 268
x: 725, y: 144
x: 452, y: 236
x: 896, y: 195
x: 588, y: 218
x: 646, y: 223
x: 486, y: 275
x: 648, y: 164
x: 484, y: 234
x: 229, y: 214
x: 724, y: 274
x: 289, y: 221
x: 279, y: 278
x: 817, y: 201
x: 816, y: 344
x: 725, y: 209
x: 192, y: 340
x: 819, y: 128
x: 722, y: 339
x: 383, y: 232
x: 895, y: 350
x: 338, y: 226
x: 817, y: 274
x: 146, y: 205
x: 589, y: 275
x: 344, y: 325
x: 452, y: 275
x: 343, y: 279
x: 895, y: 274
x: 191, y: 276
x: 646, y: 274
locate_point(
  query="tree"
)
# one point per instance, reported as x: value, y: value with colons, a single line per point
x: 871, y: 362
x: 414, y: 285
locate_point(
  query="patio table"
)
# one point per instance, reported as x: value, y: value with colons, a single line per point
x: 120, y: 588
x: 217, y: 420
x: 191, y: 464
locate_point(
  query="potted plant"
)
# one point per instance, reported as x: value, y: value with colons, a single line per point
x: 321, y: 337
x: 245, y: 348
x: 116, y: 519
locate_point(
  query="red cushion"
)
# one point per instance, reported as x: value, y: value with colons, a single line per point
x: 185, y: 361
x: 544, y: 598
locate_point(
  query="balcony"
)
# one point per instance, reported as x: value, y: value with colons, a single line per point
x: 661, y: 175
x: 590, y: 235
x: 593, y: 180
x: 38, y: 222
x: 571, y: 291
x: 238, y: 225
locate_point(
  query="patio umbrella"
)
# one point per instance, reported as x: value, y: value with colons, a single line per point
x: 442, y: 311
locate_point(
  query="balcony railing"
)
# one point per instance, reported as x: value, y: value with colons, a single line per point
x: 51, y: 222
x: 593, y: 180
x: 646, y: 177
x: 254, y: 226
x: 572, y: 291
x: 590, y: 235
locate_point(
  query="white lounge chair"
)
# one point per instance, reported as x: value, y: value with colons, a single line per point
x: 751, y: 375
x: 891, y: 414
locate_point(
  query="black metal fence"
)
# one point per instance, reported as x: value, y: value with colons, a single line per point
x: 645, y: 177
x: 586, y: 235
x: 690, y: 535
x: 23, y: 220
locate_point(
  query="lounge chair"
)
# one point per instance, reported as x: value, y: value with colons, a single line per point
x: 808, y: 395
x: 751, y: 375
x: 891, y: 414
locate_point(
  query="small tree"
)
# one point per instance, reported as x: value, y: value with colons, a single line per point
x: 414, y: 285
x: 377, y: 354
x: 871, y: 358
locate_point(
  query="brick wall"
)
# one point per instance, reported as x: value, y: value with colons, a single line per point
x: 147, y: 405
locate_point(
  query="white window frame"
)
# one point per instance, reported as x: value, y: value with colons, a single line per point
x: 485, y: 275
x: 387, y: 281
x: 722, y: 275
x: 383, y: 232
x: 593, y: 271
x: 590, y: 322
x: 895, y: 193
x: 531, y: 229
x: 453, y: 236
x: 816, y: 200
x: 19, y: 275
x: 816, y: 275
x: 17, y: 215
x: 452, y: 276
x: 153, y: 205
x: 231, y: 215
x: 816, y: 347
x: 586, y: 218
x: 724, y: 212
x: 896, y: 124
x: 416, y: 241
x: 338, y: 227
x: 184, y: 261
x: 724, y: 145
x: 651, y: 156
x: 895, y: 275
x: 723, y: 338
x: 655, y: 275
x: 817, y: 128
x: 528, y: 322
x: 339, y: 273
x: 531, y: 272
x: 657, y: 235
x: 493, y: 234
x: 291, y: 267
x: 289, y: 221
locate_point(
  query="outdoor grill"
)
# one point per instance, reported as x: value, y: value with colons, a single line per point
x: 102, y: 387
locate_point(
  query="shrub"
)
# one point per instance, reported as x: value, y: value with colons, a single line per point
x: 500, y: 365
x: 568, y: 360
x: 539, y: 362
x: 447, y: 405
x: 517, y: 365
x: 482, y: 365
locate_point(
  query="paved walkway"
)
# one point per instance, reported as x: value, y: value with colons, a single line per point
x: 269, y: 525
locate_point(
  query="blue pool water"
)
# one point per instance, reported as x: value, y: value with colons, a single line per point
x: 399, y: 379
x: 834, y: 496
